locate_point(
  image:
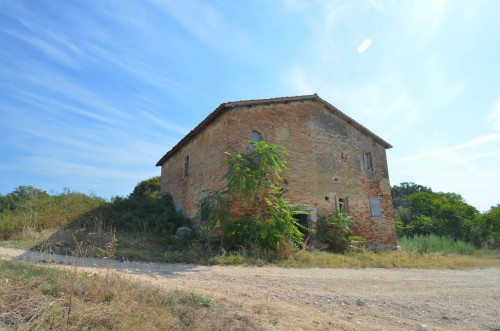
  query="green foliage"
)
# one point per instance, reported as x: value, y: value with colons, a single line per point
x: 489, y: 224
x: 145, y: 210
x: 401, y: 192
x: 148, y: 187
x: 335, y: 230
x: 254, y: 181
x: 419, y: 211
x: 147, y: 214
x: 198, y: 300
x: 34, y: 209
x: 18, y: 197
x: 252, y: 175
x: 433, y: 243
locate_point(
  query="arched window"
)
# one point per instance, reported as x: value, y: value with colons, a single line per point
x: 256, y: 136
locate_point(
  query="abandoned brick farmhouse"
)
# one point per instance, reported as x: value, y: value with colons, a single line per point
x: 334, y: 161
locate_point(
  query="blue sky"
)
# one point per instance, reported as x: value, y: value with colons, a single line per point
x: 93, y: 93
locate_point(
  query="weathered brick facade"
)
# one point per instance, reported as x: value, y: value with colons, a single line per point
x: 333, y: 160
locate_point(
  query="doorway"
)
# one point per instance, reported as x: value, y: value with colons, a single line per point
x: 304, y: 221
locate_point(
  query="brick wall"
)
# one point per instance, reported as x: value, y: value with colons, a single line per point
x: 206, y: 153
x: 325, y: 161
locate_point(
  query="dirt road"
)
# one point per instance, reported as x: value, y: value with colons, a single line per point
x: 326, y: 299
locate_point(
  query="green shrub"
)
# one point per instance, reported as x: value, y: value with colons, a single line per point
x: 419, y: 211
x: 254, y: 182
x: 335, y: 230
x: 33, y: 209
x: 146, y: 210
x: 153, y: 213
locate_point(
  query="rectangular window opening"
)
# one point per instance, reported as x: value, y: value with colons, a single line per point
x: 375, y: 211
x: 186, y: 166
x: 204, y: 211
x: 368, y: 161
x: 343, y: 205
x: 255, y: 136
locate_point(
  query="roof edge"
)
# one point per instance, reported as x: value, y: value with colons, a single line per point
x: 353, y: 122
x: 228, y: 105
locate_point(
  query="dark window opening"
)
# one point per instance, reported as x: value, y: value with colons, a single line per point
x: 204, y: 210
x: 368, y: 161
x: 343, y: 205
x: 256, y: 136
x: 304, y: 221
x: 186, y: 166
x: 375, y: 211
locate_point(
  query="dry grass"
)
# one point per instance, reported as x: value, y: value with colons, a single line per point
x: 391, y: 259
x: 34, y: 297
x: 139, y: 248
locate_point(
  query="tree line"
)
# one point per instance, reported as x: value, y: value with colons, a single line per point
x: 420, y: 211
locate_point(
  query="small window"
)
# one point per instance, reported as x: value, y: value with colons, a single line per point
x: 186, y: 166
x: 344, y: 205
x: 256, y: 136
x: 375, y: 211
x: 367, y: 160
x: 204, y: 210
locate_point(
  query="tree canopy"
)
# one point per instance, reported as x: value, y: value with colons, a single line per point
x: 420, y: 211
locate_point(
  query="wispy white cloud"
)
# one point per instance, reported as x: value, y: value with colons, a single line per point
x: 297, y: 81
x: 53, y: 106
x: 206, y: 23
x: 67, y: 87
x: 478, y: 185
x: 166, y: 125
x: 41, y: 30
x: 378, y: 5
x: 448, y: 154
x: 364, y: 45
x: 127, y: 64
x: 59, y: 168
x: 50, y: 50
x: 494, y: 117
x: 428, y: 17
x: 471, y: 168
x: 294, y: 5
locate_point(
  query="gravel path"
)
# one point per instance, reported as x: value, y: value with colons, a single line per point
x: 347, y: 299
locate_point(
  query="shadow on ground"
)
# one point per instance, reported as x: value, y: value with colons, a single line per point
x: 97, y: 250
x: 166, y: 270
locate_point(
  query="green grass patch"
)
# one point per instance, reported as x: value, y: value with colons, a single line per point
x: 433, y: 244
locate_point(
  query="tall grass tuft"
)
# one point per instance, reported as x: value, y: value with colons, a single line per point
x: 432, y: 243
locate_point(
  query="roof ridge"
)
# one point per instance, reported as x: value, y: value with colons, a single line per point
x: 226, y: 105
x: 272, y: 100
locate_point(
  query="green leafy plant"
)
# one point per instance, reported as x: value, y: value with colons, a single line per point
x: 254, y: 184
x: 419, y: 211
x: 335, y: 231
